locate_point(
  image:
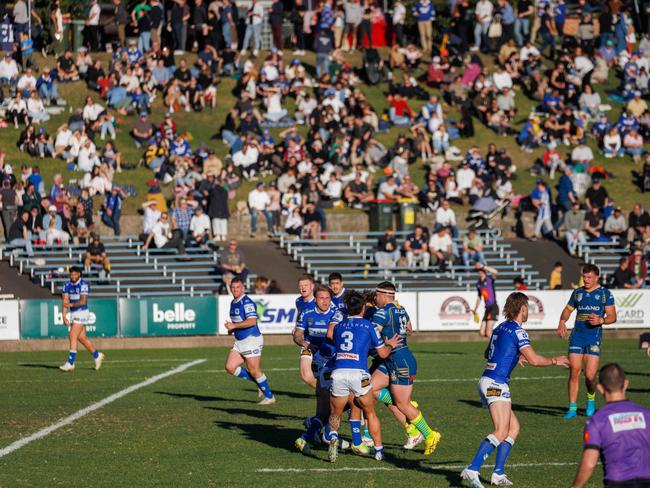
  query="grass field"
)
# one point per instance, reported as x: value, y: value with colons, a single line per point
x: 201, y: 427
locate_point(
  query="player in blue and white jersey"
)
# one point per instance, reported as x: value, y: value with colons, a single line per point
x: 594, y: 305
x: 393, y: 382
x: 306, y: 300
x: 75, y: 316
x: 304, y: 303
x: 248, y: 341
x: 335, y: 280
x: 509, y: 341
x: 353, y: 338
x: 316, y: 351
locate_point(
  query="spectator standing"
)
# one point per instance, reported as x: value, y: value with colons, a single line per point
x: 323, y: 47
x: 258, y: 202
x: 276, y: 12
x: 399, y: 19
x: 92, y: 26
x: 9, y: 205
x: 254, y: 19
x: 483, y: 13
x: 623, y: 451
x: 112, y: 209
x: 218, y: 211
x: 541, y: 200
x: 121, y: 20
x: 425, y: 14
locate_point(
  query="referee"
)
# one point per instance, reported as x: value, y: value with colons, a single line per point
x: 619, y: 433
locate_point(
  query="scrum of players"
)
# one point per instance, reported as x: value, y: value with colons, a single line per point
x: 337, y: 330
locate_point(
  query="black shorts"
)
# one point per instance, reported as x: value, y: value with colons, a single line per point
x: 491, y: 313
x: 637, y: 483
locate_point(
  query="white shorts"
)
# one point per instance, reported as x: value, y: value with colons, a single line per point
x: 79, y: 317
x: 491, y: 391
x: 346, y: 381
x: 250, y: 347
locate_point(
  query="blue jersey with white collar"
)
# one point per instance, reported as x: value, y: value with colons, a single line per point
x: 586, y: 303
x: 75, y: 290
x: 315, y: 324
x: 337, y: 300
x: 243, y: 309
x: 353, y: 339
x: 506, y: 343
x: 303, y: 305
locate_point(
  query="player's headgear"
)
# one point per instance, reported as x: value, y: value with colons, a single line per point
x: 335, y: 276
x: 75, y: 269
x: 386, y: 287
x: 354, y: 302
x: 612, y: 377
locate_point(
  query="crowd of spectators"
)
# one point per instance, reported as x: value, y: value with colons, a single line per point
x: 312, y: 139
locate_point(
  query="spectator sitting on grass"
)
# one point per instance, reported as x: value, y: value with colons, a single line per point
x: 66, y: 68
x: 142, y: 130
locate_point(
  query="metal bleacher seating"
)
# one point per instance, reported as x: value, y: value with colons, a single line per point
x: 605, y: 255
x: 352, y: 255
x: 135, y: 271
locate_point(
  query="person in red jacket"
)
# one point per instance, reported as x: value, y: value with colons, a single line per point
x: 400, y: 113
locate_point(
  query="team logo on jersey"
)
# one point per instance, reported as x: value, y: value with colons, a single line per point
x: 596, y: 297
x: 627, y: 421
x: 578, y: 297
x: 455, y: 308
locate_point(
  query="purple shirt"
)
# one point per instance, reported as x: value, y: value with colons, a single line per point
x: 486, y: 290
x: 621, y: 432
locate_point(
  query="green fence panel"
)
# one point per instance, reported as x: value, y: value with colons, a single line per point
x: 43, y: 319
x: 143, y: 317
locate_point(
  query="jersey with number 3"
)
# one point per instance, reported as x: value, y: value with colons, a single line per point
x: 243, y: 309
x: 353, y: 338
x: 506, y: 343
x: 75, y: 292
x: 391, y: 320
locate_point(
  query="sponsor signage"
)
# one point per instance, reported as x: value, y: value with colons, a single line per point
x: 9, y: 320
x: 169, y: 316
x: 41, y: 319
x: 631, y: 306
x: 447, y: 311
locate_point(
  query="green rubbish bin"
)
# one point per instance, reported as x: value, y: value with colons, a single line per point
x: 77, y: 27
x: 406, y: 214
x: 381, y: 215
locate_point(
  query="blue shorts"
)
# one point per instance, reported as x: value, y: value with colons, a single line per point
x: 589, y: 349
x: 402, y: 368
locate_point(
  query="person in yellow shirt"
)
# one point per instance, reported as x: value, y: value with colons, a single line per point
x: 637, y: 106
x: 555, y: 280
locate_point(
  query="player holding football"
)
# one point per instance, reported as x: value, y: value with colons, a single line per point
x: 399, y: 370
x: 487, y: 293
x: 248, y: 341
x: 75, y: 300
x: 509, y: 341
x: 595, y: 307
x: 353, y: 338
x: 304, y: 303
x: 311, y: 334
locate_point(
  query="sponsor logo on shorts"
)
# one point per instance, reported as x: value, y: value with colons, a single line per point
x: 594, y: 348
x: 491, y: 366
x: 627, y: 421
x: 347, y: 355
x: 492, y: 392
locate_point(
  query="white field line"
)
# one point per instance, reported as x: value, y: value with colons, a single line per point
x: 386, y: 468
x: 95, y: 406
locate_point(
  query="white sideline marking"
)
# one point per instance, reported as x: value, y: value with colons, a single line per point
x: 516, y: 378
x: 95, y: 406
x: 386, y: 468
x: 223, y: 370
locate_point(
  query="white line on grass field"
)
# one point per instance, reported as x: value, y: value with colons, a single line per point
x: 95, y: 406
x: 387, y: 468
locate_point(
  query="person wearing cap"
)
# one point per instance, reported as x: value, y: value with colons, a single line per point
x: 112, y: 209
x: 53, y: 227
x: 8, y: 70
x: 96, y: 254
x: 618, y: 435
x: 637, y: 106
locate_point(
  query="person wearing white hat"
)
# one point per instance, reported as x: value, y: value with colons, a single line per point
x: 53, y: 226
